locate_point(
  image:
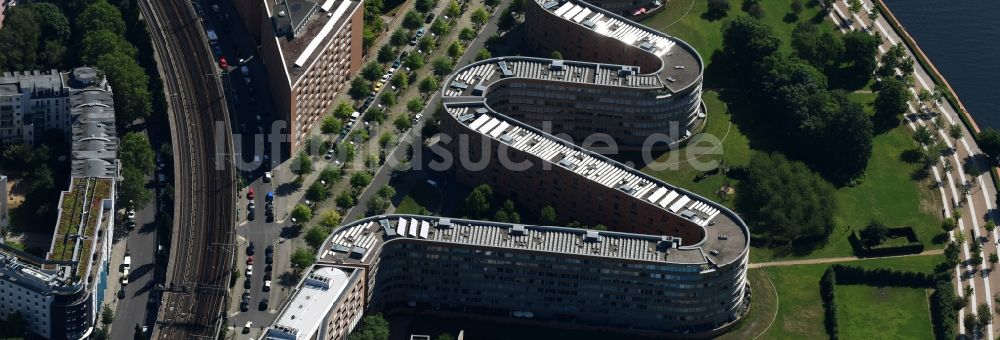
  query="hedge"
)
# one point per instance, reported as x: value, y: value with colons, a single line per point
x: 942, y: 300
x: 914, y: 246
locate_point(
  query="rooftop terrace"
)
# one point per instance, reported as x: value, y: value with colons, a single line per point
x: 81, y: 215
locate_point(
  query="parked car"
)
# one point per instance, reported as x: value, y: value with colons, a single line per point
x: 430, y: 18
x: 267, y: 176
x: 262, y: 305
x: 250, y: 248
x: 267, y: 285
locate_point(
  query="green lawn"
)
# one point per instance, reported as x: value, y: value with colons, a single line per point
x: 890, y: 191
x: 800, y: 309
x: 421, y: 198
x: 869, y: 312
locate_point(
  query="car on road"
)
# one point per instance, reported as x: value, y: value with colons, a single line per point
x: 250, y: 248
x: 269, y: 250
x: 417, y: 117
x: 250, y: 193
x: 247, y: 284
x: 269, y: 197
x: 268, y: 268
x: 252, y: 205
x: 262, y: 305
x: 430, y: 18
x: 413, y: 41
x: 267, y: 285
x: 217, y: 50
x: 250, y: 260
x: 131, y: 214
x: 121, y: 293
x: 267, y: 176
x: 395, y: 64
x: 246, y: 327
x: 268, y: 258
x: 125, y: 280
x: 377, y: 87
x: 420, y: 32
x: 249, y: 271
x: 244, y: 306
x: 251, y: 215
x: 328, y: 155
x: 246, y: 295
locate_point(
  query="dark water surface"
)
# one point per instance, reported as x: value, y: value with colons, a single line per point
x: 962, y: 39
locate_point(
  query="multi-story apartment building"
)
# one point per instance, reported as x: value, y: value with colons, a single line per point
x: 326, y: 304
x: 68, y: 285
x: 310, y: 50
x: 634, y: 83
x: 600, y: 280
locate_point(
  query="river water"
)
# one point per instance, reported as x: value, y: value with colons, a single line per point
x: 962, y: 39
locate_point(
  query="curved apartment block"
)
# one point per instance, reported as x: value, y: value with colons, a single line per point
x: 621, y: 80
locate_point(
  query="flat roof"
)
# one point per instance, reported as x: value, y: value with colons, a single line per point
x: 371, y: 233
x: 302, y: 28
x: 725, y: 233
x: 81, y: 214
x: 681, y: 66
x: 314, y: 297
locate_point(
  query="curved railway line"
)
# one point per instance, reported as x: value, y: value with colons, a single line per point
x: 201, y: 253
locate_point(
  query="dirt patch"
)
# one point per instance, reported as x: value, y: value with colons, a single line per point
x: 15, y: 193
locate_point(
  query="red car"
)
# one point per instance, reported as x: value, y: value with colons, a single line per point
x: 250, y: 260
x: 223, y: 64
x: 250, y: 193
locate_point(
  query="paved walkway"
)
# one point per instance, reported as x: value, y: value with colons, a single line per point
x: 963, y: 192
x: 838, y: 259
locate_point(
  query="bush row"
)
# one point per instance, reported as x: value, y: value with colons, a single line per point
x: 942, y: 301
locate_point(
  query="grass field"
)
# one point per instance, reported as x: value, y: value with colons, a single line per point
x: 868, y: 312
x: 800, y: 309
x: 889, y: 192
x: 420, y: 199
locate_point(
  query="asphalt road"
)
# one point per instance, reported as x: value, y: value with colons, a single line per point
x: 135, y: 309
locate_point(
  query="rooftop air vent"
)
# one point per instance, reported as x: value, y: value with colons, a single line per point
x: 556, y: 65
x: 444, y: 223
x: 518, y: 230
x: 592, y: 236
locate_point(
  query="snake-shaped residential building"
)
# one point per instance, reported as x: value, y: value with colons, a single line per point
x: 673, y: 263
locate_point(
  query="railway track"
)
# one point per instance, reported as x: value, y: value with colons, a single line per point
x: 202, y: 248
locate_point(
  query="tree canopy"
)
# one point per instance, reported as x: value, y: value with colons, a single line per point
x: 890, y: 104
x: 989, y: 142
x: 820, y: 48
x: 785, y: 202
x: 131, y: 87
x: 746, y: 40
x: 135, y: 152
x: 101, y: 15
x: 373, y: 327
x: 478, y: 203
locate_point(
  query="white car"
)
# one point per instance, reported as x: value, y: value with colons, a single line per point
x: 267, y: 176
x: 267, y: 285
x: 249, y: 271
x: 131, y: 214
x: 385, y: 77
x: 246, y: 328
x: 125, y: 280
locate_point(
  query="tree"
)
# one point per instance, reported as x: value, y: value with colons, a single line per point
x: 378, y: 205
x: 98, y: 43
x: 398, y: 38
x: 547, y: 216
x: 100, y: 15
x: 717, y: 9
x: 360, y: 179
x: 479, y: 17
x: 425, y: 6
x: 874, y: 233
x: 891, y: 101
x: 440, y: 27
x: 133, y: 188
x: 492, y: 3
x: 455, y: 50
x: 301, y: 213
x: 556, y: 55
x: 331, y: 175
x: 331, y: 125
x: 989, y: 226
x: 971, y: 324
x: 302, y: 165
x: 948, y: 224
x: 316, y: 236
x: 427, y: 43
x: 951, y: 254
x: 994, y: 259
x: 467, y: 34
x: 386, y: 53
x: 138, y: 334
x: 510, y: 211
x: 19, y: 39
x: 430, y: 84
x: 400, y: 81
x: 960, y: 237
x: 820, y: 48
x: 414, y: 61
x: 343, y: 110
x: 989, y: 142
x: 329, y: 219
x: 130, y: 83
x: 402, y: 123
x: 360, y: 88
x: 388, y: 98
x: 955, y: 131
x: 107, y: 315
x: 477, y: 204
x: 753, y: 8
x: 746, y: 41
x: 373, y: 327
x: 317, y: 192
x: 785, y: 201
x: 453, y: 10
x: 414, y: 106
x: 302, y: 258
x: 923, y: 136
x: 386, y: 138
x: 412, y: 20
x: 854, y: 6
x: 443, y: 66
x: 386, y: 191
x: 860, y: 51
x: 372, y: 71
x: 345, y: 200
x: 873, y: 16
x: 483, y: 54
x: 985, y: 315
x: 135, y: 152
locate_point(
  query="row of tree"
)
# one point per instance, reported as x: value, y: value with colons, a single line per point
x: 784, y: 202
